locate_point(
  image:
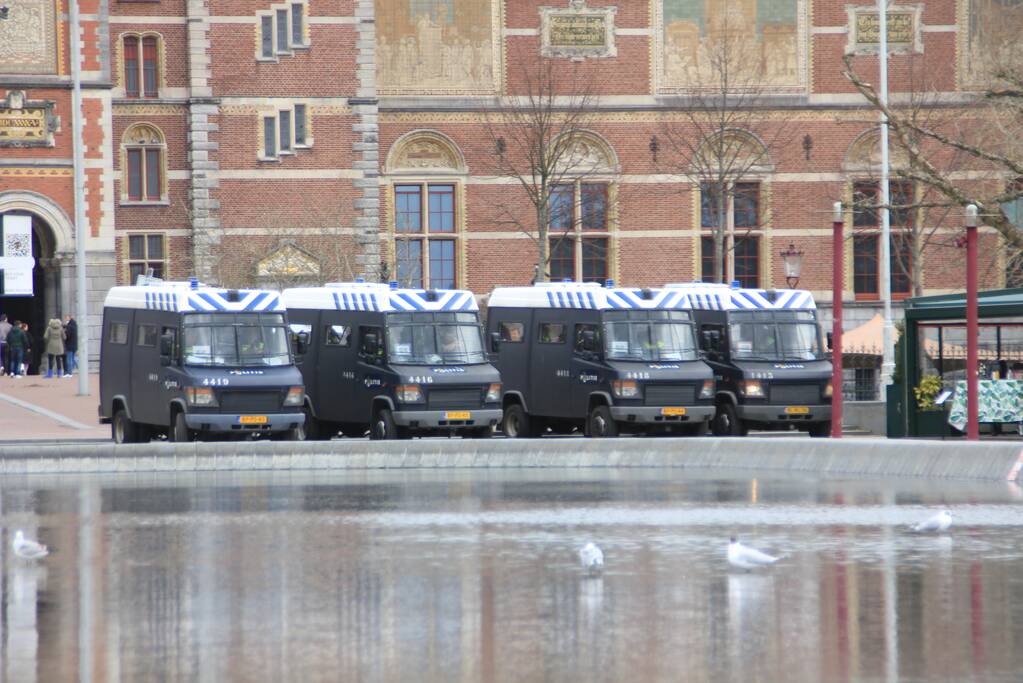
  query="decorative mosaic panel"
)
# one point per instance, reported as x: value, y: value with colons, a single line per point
x: 765, y: 38
x: 28, y: 38
x: 443, y: 47
x: 989, y: 34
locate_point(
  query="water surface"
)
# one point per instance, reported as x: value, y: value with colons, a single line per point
x: 472, y: 576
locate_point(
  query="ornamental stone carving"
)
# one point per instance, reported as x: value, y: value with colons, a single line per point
x: 577, y: 31
x: 425, y: 151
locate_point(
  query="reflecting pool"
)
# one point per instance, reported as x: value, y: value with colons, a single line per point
x: 470, y: 575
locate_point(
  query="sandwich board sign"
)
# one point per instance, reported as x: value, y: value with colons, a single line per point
x: 16, y: 262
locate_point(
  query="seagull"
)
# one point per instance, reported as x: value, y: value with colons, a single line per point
x: 27, y: 548
x: 747, y: 558
x: 591, y: 557
x: 936, y: 524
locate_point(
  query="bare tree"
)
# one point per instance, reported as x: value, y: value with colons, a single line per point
x: 948, y: 143
x: 538, y: 139
x: 724, y: 136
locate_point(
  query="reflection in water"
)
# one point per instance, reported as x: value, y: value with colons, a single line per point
x: 475, y: 576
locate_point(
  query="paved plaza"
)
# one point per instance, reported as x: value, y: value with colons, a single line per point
x: 34, y: 408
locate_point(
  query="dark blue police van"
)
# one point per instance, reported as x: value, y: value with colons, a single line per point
x: 191, y: 361
x: 601, y: 359
x: 394, y: 362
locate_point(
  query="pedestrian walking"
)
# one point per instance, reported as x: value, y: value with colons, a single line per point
x: 27, y: 363
x: 5, y: 351
x: 17, y: 340
x: 70, y: 345
x: 53, y: 339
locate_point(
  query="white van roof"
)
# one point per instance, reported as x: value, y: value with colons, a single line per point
x: 721, y: 297
x: 188, y: 297
x: 587, y: 295
x: 377, y: 296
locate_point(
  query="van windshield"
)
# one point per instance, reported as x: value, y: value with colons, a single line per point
x: 649, y: 340
x: 435, y: 344
x: 236, y: 345
x: 774, y: 341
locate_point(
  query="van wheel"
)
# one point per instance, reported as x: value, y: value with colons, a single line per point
x: 727, y: 422
x: 383, y: 427
x: 122, y: 429
x: 179, y: 431
x: 820, y: 429
x: 516, y: 423
x: 601, y: 424
x: 313, y: 429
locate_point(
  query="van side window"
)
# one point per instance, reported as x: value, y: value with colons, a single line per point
x: 147, y: 335
x: 338, y: 335
x: 552, y: 333
x: 511, y: 332
x: 118, y: 333
x: 173, y: 332
x: 586, y: 337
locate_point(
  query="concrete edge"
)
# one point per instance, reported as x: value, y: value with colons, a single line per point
x: 861, y: 458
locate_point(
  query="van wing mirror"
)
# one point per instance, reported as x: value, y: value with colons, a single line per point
x: 831, y: 339
x: 495, y: 341
x: 370, y: 345
x: 588, y: 341
x: 301, y: 343
x: 166, y: 349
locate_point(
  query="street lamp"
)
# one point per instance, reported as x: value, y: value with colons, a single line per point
x: 837, y: 285
x: 793, y: 261
x: 972, y: 385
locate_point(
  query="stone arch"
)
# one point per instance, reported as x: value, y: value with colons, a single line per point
x: 425, y: 151
x: 60, y: 238
x: 143, y: 134
x: 588, y: 152
x: 864, y: 154
x: 745, y: 150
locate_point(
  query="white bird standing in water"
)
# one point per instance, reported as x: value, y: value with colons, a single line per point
x: 934, y: 525
x: 591, y: 557
x: 747, y: 558
x: 27, y: 548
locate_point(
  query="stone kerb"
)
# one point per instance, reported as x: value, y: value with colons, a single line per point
x: 864, y: 458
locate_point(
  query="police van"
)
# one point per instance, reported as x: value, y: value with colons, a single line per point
x: 603, y: 359
x: 765, y: 348
x: 190, y: 361
x: 394, y: 362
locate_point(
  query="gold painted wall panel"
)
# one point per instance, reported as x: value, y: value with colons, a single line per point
x: 440, y: 47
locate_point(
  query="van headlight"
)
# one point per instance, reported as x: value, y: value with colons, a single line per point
x: 827, y: 390
x: 200, y: 396
x: 751, y: 388
x: 494, y: 393
x: 295, y: 397
x: 625, y: 388
x: 707, y: 391
x: 409, y: 393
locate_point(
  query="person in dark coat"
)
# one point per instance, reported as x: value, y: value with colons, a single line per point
x: 70, y: 345
x: 17, y: 340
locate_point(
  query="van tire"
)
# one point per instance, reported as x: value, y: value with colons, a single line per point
x: 122, y: 429
x: 727, y: 422
x: 314, y: 429
x: 516, y: 423
x: 179, y: 431
x: 383, y: 428
x: 601, y: 424
x: 820, y: 429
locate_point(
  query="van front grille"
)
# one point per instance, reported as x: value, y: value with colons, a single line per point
x: 250, y: 401
x: 669, y: 394
x: 800, y: 394
x: 454, y: 399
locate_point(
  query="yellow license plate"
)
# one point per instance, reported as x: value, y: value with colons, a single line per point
x: 673, y: 411
x: 457, y: 415
x: 252, y: 419
x: 797, y: 410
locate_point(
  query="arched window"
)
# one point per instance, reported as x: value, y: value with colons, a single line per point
x: 143, y: 164
x: 141, y: 65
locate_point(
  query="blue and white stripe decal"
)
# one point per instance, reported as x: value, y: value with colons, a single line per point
x: 448, y: 301
x: 161, y: 301
x: 633, y: 298
x: 355, y: 301
x: 253, y: 301
x: 757, y: 299
x: 571, y: 299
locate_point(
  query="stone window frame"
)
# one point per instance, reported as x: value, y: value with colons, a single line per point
x: 157, y: 141
x: 121, y: 90
x: 146, y: 260
x: 425, y: 236
x: 292, y: 46
x: 294, y: 146
x: 577, y: 234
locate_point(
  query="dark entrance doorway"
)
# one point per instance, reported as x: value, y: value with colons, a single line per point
x: 33, y: 309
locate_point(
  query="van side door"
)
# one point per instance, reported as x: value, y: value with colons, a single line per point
x: 369, y: 371
x: 336, y: 371
x: 550, y: 371
x: 115, y: 358
x: 587, y: 370
x: 512, y: 355
x: 147, y: 395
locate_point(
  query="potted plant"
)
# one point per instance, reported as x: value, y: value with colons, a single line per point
x: 930, y: 417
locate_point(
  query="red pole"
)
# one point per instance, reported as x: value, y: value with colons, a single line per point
x: 972, y: 331
x: 837, y: 285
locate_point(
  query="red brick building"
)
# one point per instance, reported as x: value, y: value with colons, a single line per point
x: 314, y: 140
